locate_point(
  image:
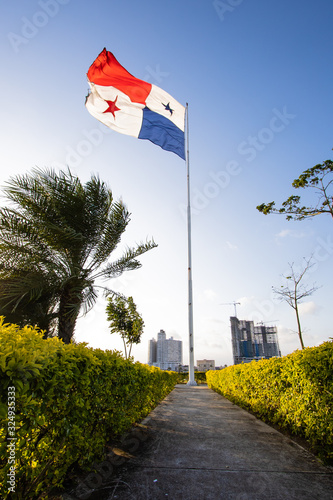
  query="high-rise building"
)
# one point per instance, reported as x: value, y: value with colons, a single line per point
x: 164, y: 353
x: 152, y: 352
x: 204, y: 365
x: 252, y: 342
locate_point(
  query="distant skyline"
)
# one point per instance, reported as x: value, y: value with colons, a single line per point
x: 258, y: 80
x: 165, y: 353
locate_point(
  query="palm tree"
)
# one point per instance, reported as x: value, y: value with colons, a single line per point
x: 56, y: 239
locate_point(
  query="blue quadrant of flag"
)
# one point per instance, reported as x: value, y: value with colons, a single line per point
x: 161, y: 131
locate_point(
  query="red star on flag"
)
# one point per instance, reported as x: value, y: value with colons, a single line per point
x: 112, y: 108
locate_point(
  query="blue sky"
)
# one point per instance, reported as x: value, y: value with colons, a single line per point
x: 258, y: 79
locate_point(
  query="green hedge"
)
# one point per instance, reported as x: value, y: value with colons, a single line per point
x: 69, y: 401
x: 199, y: 377
x: 294, y: 392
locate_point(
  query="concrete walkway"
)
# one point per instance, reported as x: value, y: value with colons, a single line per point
x: 203, y: 447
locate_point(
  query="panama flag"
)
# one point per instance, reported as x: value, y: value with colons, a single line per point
x: 134, y: 107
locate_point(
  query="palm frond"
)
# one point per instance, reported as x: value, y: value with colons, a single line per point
x: 127, y: 262
x: 113, y: 229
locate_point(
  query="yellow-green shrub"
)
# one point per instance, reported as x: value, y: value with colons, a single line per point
x: 199, y: 377
x: 70, y: 400
x: 294, y: 392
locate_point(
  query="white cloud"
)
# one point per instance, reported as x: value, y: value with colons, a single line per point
x: 283, y: 233
x: 210, y: 294
x: 307, y: 308
x: 290, y: 233
x: 246, y: 300
x: 231, y: 246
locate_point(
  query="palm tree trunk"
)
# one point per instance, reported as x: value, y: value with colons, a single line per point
x: 66, y: 329
x: 69, y: 307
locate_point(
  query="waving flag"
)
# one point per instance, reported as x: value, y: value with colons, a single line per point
x: 134, y: 107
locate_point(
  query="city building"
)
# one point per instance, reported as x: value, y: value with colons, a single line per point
x: 253, y: 342
x: 205, y: 364
x: 164, y: 353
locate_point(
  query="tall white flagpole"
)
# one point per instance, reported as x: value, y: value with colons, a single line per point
x: 191, y: 379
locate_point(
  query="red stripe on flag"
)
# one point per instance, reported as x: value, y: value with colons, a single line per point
x: 107, y: 71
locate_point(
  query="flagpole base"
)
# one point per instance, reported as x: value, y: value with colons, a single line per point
x: 191, y: 382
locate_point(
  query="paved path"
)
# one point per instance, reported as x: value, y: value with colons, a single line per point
x: 203, y: 447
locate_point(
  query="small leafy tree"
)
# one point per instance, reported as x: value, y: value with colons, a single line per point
x: 319, y: 177
x: 125, y: 320
x: 294, y: 291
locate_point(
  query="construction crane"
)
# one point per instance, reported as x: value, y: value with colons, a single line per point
x: 231, y: 304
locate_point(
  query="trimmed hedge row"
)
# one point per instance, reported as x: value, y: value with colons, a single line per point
x: 69, y: 400
x: 294, y: 392
x: 199, y: 377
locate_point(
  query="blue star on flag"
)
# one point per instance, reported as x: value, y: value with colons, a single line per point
x: 167, y: 107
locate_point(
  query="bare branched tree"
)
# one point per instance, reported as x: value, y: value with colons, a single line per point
x: 294, y: 291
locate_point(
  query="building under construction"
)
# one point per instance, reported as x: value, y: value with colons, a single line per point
x: 253, y: 342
